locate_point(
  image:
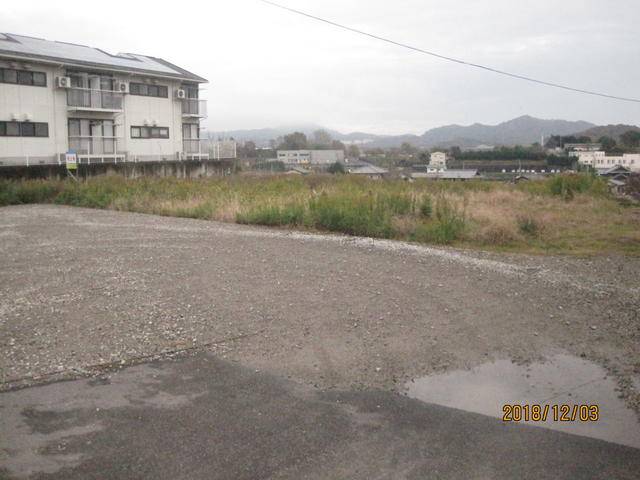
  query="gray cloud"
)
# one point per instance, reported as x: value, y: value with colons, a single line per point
x: 269, y: 67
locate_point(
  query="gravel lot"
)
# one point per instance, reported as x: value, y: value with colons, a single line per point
x: 82, y: 290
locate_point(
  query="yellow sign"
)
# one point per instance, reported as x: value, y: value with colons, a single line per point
x: 71, y: 160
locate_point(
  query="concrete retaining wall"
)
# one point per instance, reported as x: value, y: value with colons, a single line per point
x: 179, y: 169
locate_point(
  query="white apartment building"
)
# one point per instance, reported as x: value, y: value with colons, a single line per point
x: 310, y: 157
x: 59, y: 97
x: 599, y: 159
x: 437, y: 162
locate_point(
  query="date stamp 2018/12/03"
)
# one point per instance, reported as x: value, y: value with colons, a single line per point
x: 555, y: 413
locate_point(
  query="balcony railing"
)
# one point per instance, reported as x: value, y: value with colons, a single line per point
x: 194, y: 149
x: 194, y: 107
x: 92, y: 99
x: 95, y: 146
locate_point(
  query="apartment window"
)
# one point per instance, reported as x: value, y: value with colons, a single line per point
x: 92, y: 136
x: 27, y: 129
x: 42, y: 129
x: 145, y: 90
x: 92, y: 81
x: 23, y: 77
x: 149, y: 132
x: 24, y: 129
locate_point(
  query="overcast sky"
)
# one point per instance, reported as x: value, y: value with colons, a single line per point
x: 268, y: 67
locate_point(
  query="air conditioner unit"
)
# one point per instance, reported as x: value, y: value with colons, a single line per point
x: 26, y: 117
x: 154, y: 123
x: 123, y: 87
x: 15, y: 117
x: 181, y: 94
x: 63, y: 82
x: 147, y: 122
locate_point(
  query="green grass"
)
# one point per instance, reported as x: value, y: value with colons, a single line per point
x: 564, y: 214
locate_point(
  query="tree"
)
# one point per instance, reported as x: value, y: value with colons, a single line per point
x: 408, y: 149
x: 353, y: 151
x: 321, y: 138
x: 337, y: 145
x: 336, y: 167
x: 630, y: 138
x: 608, y: 143
x: 294, y: 141
x: 455, y: 152
x: 247, y: 150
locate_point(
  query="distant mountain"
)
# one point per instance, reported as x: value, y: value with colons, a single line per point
x: 523, y: 130
x: 613, y: 131
x: 519, y: 131
x: 262, y: 136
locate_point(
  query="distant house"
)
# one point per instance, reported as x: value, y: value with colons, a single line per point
x: 370, y: 171
x: 617, y: 186
x: 310, y: 157
x: 617, y: 177
x: 437, y: 162
x: 461, y: 175
x: 618, y: 172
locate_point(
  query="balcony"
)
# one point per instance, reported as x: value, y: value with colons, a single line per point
x: 96, y: 149
x: 88, y: 99
x: 194, y: 150
x: 194, y: 108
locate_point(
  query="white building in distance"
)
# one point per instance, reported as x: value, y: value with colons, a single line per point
x: 310, y: 157
x: 599, y: 159
x: 59, y: 97
x: 437, y: 162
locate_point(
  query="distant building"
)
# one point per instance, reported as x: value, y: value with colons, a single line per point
x: 310, y: 157
x: 370, y: 171
x: 617, y: 178
x: 575, y: 149
x: 438, y: 161
x: 294, y: 170
x: 460, y: 175
x: 479, y: 148
x: 599, y: 160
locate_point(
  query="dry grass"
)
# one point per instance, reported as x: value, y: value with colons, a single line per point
x: 571, y: 215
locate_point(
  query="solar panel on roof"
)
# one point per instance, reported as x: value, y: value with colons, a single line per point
x: 31, y: 46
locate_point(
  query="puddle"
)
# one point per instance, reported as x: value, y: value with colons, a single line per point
x: 563, y: 379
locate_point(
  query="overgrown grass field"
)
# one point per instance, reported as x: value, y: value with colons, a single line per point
x: 571, y: 214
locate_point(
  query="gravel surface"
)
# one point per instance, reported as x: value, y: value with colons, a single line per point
x: 83, y: 290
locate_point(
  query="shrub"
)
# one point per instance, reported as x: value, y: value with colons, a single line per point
x: 336, y: 167
x: 28, y: 191
x: 566, y: 186
x: 449, y: 224
x: 426, y: 208
x: 273, y: 215
x: 528, y: 226
x: 351, y: 214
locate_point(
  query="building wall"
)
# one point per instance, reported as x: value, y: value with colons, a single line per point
x: 326, y: 157
x: 49, y: 104
x: 601, y: 160
x: 315, y: 157
x: 438, y: 160
x: 161, y: 112
x: 40, y: 104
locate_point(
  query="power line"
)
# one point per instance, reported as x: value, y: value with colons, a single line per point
x: 451, y: 59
